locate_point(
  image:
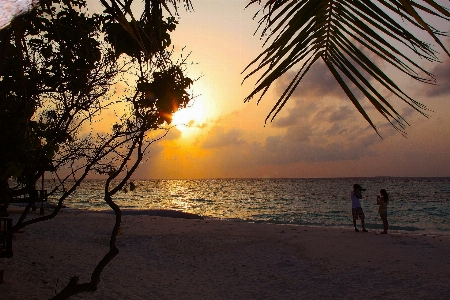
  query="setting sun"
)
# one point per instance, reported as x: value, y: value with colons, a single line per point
x: 190, y: 117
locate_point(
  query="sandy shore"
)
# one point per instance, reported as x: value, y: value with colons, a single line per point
x: 175, y: 258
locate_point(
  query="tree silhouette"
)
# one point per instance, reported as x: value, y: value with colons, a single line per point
x: 66, y: 65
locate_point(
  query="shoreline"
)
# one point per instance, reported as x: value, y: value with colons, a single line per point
x: 178, y: 258
x: 172, y: 213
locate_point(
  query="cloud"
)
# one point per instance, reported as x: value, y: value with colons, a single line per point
x: 195, y: 124
x: 173, y: 134
x: 319, y: 130
x: 283, y: 153
x: 302, y: 109
x: 317, y: 85
x: 318, y: 113
x: 218, y: 137
x: 319, y: 124
x: 318, y: 145
x: 318, y: 82
x: 442, y: 73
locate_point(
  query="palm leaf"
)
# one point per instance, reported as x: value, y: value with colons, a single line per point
x: 343, y: 34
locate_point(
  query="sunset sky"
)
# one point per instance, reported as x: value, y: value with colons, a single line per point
x: 319, y: 133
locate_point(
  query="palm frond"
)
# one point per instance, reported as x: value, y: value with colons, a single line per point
x: 344, y: 34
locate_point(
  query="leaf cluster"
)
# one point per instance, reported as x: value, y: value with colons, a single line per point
x: 153, y: 36
x: 51, y: 50
x: 166, y: 93
x: 353, y: 38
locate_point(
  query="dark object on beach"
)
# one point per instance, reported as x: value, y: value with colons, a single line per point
x: 5, y: 241
x: 32, y: 197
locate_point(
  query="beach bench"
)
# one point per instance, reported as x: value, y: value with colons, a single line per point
x: 3, y: 209
x: 4, y: 203
x: 33, y: 197
x: 5, y: 242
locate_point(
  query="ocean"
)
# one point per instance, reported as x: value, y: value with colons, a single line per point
x: 417, y: 205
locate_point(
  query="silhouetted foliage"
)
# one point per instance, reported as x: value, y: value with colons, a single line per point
x: 59, y: 70
x: 354, y: 39
x: 48, y: 51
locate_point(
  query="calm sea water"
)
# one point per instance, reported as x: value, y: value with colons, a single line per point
x: 418, y: 205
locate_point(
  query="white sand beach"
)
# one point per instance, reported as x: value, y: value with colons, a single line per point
x: 176, y: 258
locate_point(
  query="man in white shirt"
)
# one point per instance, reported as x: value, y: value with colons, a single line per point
x: 357, y: 211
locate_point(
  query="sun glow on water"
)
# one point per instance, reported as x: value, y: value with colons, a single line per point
x: 418, y: 205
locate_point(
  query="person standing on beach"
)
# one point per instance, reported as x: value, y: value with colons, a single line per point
x: 382, y: 201
x: 357, y: 211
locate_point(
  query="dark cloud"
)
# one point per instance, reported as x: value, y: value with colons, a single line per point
x: 300, y: 133
x: 219, y: 138
x: 318, y: 145
x: 302, y: 109
x: 284, y: 154
x: 318, y: 82
x: 315, y: 111
x: 340, y: 114
x: 320, y: 124
x: 337, y: 129
x: 311, y: 131
x: 442, y: 73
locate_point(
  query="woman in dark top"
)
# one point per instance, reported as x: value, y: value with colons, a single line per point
x: 382, y: 201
